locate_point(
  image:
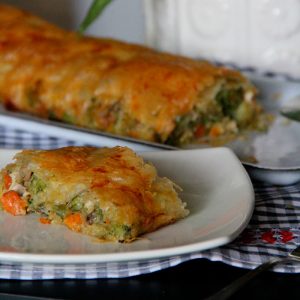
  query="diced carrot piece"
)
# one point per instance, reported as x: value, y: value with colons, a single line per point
x: 215, y: 131
x: 45, y: 221
x: 200, y: 131
x: 13, y: 203
x: 7, y: 181
x: 74, y: 221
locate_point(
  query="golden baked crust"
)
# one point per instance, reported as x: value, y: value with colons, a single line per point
x: 109, y: 193
x: 109, y: 85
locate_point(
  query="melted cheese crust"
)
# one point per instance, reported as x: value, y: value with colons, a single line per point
x: 48, y: 72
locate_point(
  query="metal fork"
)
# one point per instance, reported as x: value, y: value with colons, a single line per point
x: 233, y: 287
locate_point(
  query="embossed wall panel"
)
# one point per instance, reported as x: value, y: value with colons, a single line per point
x: 264, y: 34
x: 275, y: 30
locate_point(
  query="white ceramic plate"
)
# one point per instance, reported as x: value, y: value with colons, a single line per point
x: 215, y: 186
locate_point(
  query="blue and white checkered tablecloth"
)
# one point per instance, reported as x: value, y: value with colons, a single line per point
x: 272, y: 232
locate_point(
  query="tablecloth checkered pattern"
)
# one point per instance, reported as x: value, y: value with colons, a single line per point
x: 272, y: 232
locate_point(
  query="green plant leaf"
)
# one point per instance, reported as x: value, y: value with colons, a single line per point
x: 94, y: 11
x: 292, y: 114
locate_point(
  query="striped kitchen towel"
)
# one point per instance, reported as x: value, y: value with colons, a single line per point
x: 272, y: 232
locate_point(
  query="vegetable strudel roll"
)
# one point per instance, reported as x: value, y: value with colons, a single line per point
x: 108, y: 193
x: 117, y: 87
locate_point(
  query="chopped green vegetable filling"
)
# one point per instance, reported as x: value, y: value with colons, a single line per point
x: 121, y: 231
x: 184, y: 125
x: 68, y: 118
x: 76, y: 203
x: 60, y: 210
x: 228, y: 104
x: 36, y: 185
x: 229, y: 100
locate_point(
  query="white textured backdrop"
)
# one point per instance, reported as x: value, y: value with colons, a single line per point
x: 264, y: 34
